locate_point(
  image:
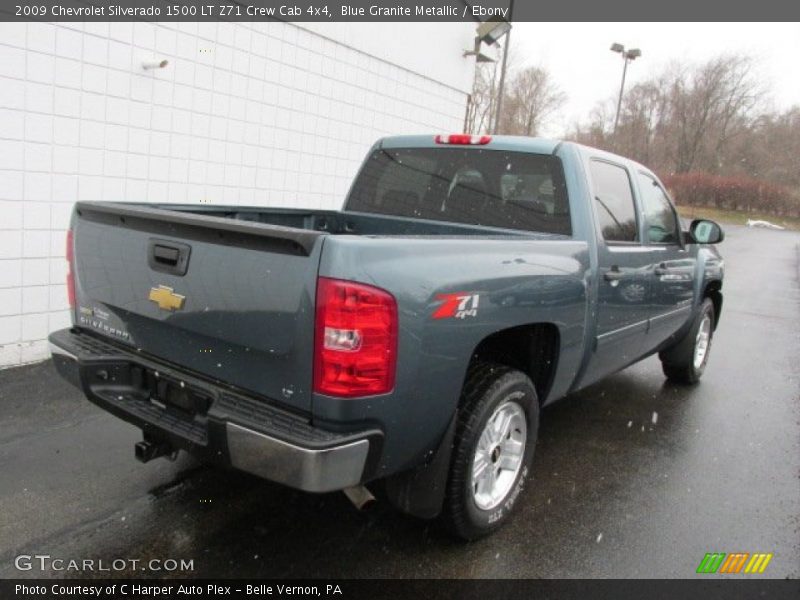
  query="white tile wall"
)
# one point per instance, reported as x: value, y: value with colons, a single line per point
x: 264, y: 114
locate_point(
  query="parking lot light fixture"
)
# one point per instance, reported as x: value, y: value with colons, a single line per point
x: 627, y: 56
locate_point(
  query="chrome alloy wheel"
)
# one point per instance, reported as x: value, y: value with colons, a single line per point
x: 498, y: 456
x: 702, y: 341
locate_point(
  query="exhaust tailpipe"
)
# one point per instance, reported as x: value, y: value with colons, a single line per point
x: 360, y: 496
x: 147, y: 450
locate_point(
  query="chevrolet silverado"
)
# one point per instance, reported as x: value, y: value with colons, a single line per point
x: 411, y: 337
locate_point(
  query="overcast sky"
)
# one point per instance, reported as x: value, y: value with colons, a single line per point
x: 578, y: 56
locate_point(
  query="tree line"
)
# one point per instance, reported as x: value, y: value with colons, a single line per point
x: 705, y: 128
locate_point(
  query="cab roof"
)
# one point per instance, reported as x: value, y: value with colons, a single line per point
x: 498, y: 142
x: 510, y: 143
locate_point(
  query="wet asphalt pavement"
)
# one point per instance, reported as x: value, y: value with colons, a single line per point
x: 616, y: 491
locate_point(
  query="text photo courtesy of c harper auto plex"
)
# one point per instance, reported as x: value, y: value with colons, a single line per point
x: 422, y: 298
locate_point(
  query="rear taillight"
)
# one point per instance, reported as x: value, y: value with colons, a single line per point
x: 71, y: 269
x: 355, y: 346
x: 463, y: 139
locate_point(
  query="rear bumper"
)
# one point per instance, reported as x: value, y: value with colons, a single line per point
x: 237, y: 430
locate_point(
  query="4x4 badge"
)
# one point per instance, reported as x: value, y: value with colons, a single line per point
x: 166, y: 298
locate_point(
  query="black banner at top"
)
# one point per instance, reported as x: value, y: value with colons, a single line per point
x: 398, y: 10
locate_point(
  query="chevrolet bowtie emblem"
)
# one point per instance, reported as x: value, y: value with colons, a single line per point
x: 166, y: 298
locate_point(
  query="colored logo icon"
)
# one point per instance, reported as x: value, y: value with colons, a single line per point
x: 737, y: 562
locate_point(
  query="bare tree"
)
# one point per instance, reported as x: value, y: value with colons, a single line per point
x: 686, y: 118
x: 770, y: 149
x: 641, y: 121
x: 597, y: 131
x: 531, y: 98
x: 481, y: 104
x: 708, y: 106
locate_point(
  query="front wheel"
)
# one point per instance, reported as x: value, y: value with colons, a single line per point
x: 495, y: 437
x: 686, y: 360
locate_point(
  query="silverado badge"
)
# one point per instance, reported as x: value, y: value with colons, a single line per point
x: 166, y: 298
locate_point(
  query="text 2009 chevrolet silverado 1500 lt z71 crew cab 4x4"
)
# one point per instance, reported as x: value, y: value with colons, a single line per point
x: 411, y: 337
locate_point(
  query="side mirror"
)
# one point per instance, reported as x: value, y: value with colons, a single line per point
x: 705, y: 231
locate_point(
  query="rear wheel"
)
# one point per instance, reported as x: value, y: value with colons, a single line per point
x: 495, y: 437
x: 686, y: 360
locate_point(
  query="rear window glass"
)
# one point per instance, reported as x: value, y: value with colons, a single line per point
x: 512, y: 190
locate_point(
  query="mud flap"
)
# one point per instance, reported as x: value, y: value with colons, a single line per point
x: 420, y: 491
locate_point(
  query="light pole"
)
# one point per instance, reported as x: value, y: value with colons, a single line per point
x: 503, y: 71
x: 489, y: 32
x: 627, y: 56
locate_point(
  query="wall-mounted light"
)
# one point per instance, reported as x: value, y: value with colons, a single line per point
x: 148, y: 65
x: 476, y: 52
x: 488, y: 32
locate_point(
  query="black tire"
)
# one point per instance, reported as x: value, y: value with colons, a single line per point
x: 678, y: 361
x: 488, y: 386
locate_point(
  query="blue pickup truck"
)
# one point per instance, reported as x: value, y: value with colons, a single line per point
x: 411, y: 337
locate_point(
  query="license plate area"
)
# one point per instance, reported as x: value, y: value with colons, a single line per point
x: 167, y: 392
x: 173, y: 395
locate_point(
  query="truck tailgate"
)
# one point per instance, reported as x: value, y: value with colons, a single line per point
x: 227, y: 299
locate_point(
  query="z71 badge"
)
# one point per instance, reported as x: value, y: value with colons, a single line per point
x: 457, y: 306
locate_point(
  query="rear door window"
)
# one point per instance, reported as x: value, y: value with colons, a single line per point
x: 510, y: 190
x: 613, y: 197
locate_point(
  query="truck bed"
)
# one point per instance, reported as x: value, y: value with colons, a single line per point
x: 228, y: 292
x: 336, y: 222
